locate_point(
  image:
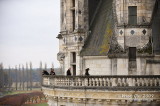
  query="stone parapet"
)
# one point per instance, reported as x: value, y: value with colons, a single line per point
x: 110, y: 83
x: 102, y: 90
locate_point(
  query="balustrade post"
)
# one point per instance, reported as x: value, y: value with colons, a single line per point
x: 83, y: 81
x: 51, y: 81
x: 97, y: 82
x: 76, y: 81
x: 146, y: 81
x: 61, y: 81
x: 114, y: 82
x: 93, y: 82
x: 155, y: 82
x: 86, y: 81
x: 48, y: 81
x: 108, y: 82
x: 119, y: 82
x: 104, y: 81
x: 158, y: 81
x: 124, y: 82
x: 79, y: 81
x: 151, y: 82
x: 101, y: 81
x: 72, y: 82
x: 134, y: 82
x: 90, y: 81
x: 138, y: 82
x: 142, y: 81
x: 55, y: 81
x: 130, y: 82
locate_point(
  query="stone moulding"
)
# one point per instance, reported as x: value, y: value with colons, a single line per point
x: 105, y: 97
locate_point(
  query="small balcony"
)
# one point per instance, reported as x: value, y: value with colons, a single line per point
x: 109, y: 83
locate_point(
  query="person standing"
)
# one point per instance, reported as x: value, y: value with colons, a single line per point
x: 45, y: 72
x: 87, y: 72
x: 52, y: 72
x: 69, y: 72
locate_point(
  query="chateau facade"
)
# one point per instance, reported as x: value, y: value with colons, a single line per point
x: 111, y: 37
x: 119, y: 41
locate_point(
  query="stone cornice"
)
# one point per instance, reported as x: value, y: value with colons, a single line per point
x: 92, y: 96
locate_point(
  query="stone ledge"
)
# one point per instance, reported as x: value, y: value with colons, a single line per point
x: 105, y: 88
x: 110, y: 96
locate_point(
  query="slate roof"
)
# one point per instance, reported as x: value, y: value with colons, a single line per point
x: 155, y: 29
x: 97, y: 43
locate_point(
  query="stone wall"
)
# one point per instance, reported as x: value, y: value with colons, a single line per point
x: 133, y: 37
x: 144, y: 10
x: 102, y: 65
x: 58, y: 97
x: 97, y: 65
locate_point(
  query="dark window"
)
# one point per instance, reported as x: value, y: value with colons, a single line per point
x: 73, y: 12
x: 74, y: 69
x: 132, y: 54
x: 73, y: 1
x: 73, y: 57
x: 132, y: 12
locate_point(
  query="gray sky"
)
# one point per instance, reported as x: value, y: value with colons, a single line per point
x: 28, y: 30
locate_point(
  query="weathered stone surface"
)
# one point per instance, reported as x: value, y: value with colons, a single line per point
x: 100, y: 98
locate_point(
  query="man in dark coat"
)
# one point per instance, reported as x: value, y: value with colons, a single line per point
x: 52, y: 72
x: 87, y: 72
x: 69, y: 72
x: 45, y: 72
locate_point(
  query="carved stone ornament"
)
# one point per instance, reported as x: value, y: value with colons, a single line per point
x: 144, y: 31
x: 60, y: 56
x: 80, y: 39
x: 147, y: 48
x: 115, y: 47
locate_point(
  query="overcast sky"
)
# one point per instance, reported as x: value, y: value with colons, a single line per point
x: 28, y: 30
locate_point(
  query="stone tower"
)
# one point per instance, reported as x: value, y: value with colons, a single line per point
x: 74, y: 29
x: 134, y: 31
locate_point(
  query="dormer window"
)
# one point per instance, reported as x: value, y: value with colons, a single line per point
x: 132, y: 15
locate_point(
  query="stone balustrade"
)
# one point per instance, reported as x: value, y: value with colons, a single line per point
x: 151, y: 82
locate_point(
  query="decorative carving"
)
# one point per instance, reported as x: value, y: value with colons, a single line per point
x: 121, y: 32
x: 98, y: 96
x: 144, y: 31
x: 115, y: 47
x: 80, y: 39
x: 147, y: 48
x: 60, y: 56
x: 59, y: 36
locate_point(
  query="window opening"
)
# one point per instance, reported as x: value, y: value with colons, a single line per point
x: 132, y: 54
x: 132, y: 12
